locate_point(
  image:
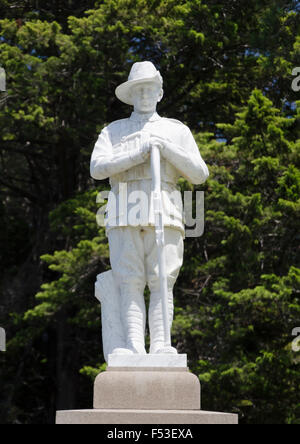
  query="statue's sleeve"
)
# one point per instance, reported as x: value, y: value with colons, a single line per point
x: 107, y: 161
x: 186, y: 158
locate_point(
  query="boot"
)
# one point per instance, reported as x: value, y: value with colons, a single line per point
x: 122, y: 351
x: 134, y: 320
x: 156, y: 324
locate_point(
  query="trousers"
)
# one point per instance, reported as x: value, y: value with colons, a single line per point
x: 134, y: 262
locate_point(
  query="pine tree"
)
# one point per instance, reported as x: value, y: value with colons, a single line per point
x: 240, y: 322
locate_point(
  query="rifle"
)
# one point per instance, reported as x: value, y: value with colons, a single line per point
x: 160, y: 240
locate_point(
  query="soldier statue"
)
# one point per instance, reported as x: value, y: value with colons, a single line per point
x: 123, y: 154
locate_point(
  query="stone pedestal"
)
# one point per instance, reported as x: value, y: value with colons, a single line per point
x: 146, y: 390
x: 144, y: 417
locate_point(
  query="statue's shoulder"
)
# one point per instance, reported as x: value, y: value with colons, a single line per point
x: 174, y: 122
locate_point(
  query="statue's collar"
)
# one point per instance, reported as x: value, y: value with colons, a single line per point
x: 136, y: 117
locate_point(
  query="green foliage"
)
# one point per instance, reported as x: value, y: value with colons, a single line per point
x: 248, y: 303
x: 92, y: 372
x: 227, y: 70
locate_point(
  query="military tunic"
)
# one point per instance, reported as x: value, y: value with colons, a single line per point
x: 120, y: 159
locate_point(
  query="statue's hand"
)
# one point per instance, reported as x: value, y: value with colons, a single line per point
x: 145, y: 149
x: 160, y: 142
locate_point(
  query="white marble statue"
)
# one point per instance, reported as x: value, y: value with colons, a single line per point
x: 123, y: 153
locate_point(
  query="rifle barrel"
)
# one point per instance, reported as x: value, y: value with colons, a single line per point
x: 160, y: 239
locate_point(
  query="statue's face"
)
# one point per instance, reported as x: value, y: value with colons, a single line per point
x: 145, y: 97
